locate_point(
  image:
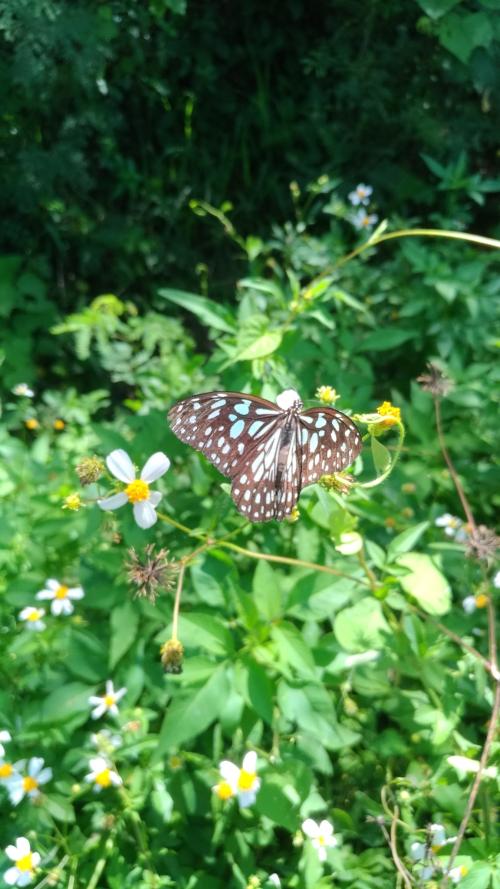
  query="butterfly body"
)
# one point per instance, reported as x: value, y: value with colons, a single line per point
x: 269, y: 451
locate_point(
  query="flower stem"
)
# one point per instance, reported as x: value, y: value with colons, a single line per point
x: 177, y: 603
x: 395, y: 457
x: 289, y: 561
x: 453, y: 473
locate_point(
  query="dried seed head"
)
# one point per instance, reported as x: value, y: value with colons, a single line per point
x: 151, y: 572
x: 89, y: 470
x: 172, y: 654
x: 435, y: 381
x: 482, y: 544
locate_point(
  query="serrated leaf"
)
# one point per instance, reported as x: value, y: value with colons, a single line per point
x: 425, y: 582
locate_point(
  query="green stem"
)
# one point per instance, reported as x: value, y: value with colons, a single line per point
x: 289, y: 561
x: 395, y: 457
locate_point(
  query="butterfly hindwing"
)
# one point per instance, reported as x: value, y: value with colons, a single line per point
x: 329, y: 442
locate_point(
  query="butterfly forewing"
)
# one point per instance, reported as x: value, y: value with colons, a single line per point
x: 329, y: 442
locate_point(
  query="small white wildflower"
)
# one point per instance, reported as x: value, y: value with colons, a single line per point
x: 4, y: 738
x: 242, y: 783
x: 360, y: 195
x: 350, y: 543
x: 137, y: 491
x: 61, y: 596
x: 25, y: 863
x: 321, y: 836
x: 106, y: 703
x: 32, y: 617
x: 101, y: 774
x: 26, y: 781
x: 362, y: 219
x: 456, y: 873
x: 106, y: 740
x: 23, y: 390
x: 274, y: 880
x: 451, y: 524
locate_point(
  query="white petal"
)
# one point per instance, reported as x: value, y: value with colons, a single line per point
x: 16, y: 793
x: 120, y: 465
x: 10, y: 876
x: 57, y: 606
x: 325, y: 828
x: 115, y: 779
x: 75, y: 592
x: 321, y: 853
x: 95, y: 699
x: 45, y: 775
x: 246, y: 798
x: 229, y: 772
x: 99, y: 710
x: 418, y: 851
x: 98, y: 764
x: 155, y: 467
x: 310, y: 828
x: 250, y: 762
x: 119, y: 694
x: 52, y: 584
x: 113, y: 502
x: 35, y: 859
x: 35, y: 765
x: 154, y: 498
x: 25, y: 878
x: 144, y: 514
x: 45, y: 594
x: 12, y: 853
x: 5, y: 735
x: 110, y: 689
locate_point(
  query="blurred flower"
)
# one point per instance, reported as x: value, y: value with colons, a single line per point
x: 137, y: 491
x: 89, y: 470
x: 456, y: 873
x: 101, y: 774
x: 390, y: 413
x: 106, y: 741
x: 61, y: 596
x: 27, y: 783
x: 274, y: 880
x: 25, y: 863
x: 435, y: 381
x: 338, y: 481
x: 6, y: 770
x: 175, y: 763
x: 496, y: 580
x: 362, y: 219
x: 23, y: 389
x: 364, y: 657
x: 4, y: 738
x: 482, y: 544
x: 464, y: 765
x: 242, y: 783
x: 436, y: 838
x: 172, y: 655
x: 470, y: 603
x: 33, y: 617
x: 32, y: 423
x: 321, y: 836
x: 327, y: 394
x: 360, y: 195
x: 153, y: 571
x: 59, y: 424
x: 350, y: 543
x: 453, y: 526
x: 293, y: 516
x: 253, y: 882
x: 73, y: 501
x: 107, y: 703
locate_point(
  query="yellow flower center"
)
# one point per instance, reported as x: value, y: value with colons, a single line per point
x: 246, y: 780
x: 59, y: 424
x: 224, y: 790
x: 25, y: 863
x: 35, y: 614
x: 29, y: 784
x: 481, y: 600
x: 61, y: 592
x: 109, y: 700
x: 321, y: 839
x: 32, y: 423
x: 72, y: 501
x: 137, y: 491
x: 103, y: 778
x: 6, y: 770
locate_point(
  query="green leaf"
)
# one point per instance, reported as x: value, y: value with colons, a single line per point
x: 436, y: 8
x: 312, y: 709
x: 267, y: 593
x: 388, y: 338
x: 426, y: 583
x: 258, y: 689
x: 279, y: 801
x: 188, y: 716
x: 406, y: 540
x: 381, y: 456
x: 124, y: 623
x: 478, y: 877
x: 361, y: 627
x: 261, y: 347
x: 87, y: 656
x: 292, y: 649
x: 207, y: 311
x: 59, y: 807
x: 461, y: 34
x: 62, y: 704
x: 198, y: 630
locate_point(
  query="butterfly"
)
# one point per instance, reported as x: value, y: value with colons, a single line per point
x: 269, y: 451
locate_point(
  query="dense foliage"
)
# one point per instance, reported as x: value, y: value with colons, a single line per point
x: 182, y: 215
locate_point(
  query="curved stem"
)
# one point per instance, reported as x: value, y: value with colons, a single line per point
x: 456, y: 481
x: 175, y: 614
x: 395, y: 457
x: 289, y: 561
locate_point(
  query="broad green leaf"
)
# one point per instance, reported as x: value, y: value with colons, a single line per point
x: 361, y: 627
x: 388, y: 338
x: 279, y: 801
x: 124, y: 623
x: 261, y: 347
x: 187, y: 717
x: 478, y: 877
x: 199, y: 630
x: 436, y: 8
x: 425, y: 582
x: 211, y: 313
x: 266, y: 591
x: 292, y: 649
x: 312, y: 708
x: 381, y: 456
x: 461, y: 34
x: 62, y: 704
x: 59, y: 807
x: 87, y: 656
x: 258, y: 689
x: 406, y: 540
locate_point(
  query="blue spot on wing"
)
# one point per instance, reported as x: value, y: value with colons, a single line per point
x: 254, y: 428
x: 242, y: 408
x: 237, y: 428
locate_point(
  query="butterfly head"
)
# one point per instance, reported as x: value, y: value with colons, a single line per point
x: 289, y: 399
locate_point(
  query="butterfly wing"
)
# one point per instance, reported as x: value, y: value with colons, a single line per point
x: 329, y: 442
x: 224, y: 426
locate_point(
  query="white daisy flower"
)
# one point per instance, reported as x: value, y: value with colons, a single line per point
x: 350, y: 543
x: 106, y: 703
x: 25, y: 863
x: 465, y: 766
x: 360, y: 195
x: 456, y: 873
x: 27, y: 781
x: 4, y: 738
x: 242, y: 783
x: 61, y: 596
x: 101, y: 774
x: 23, y: 389
x: 436, y: 840
x: 137, y: 491
x: 362, y: 219
x: 321, y: 836
x: 451, y: 524
x: 32, y: 617
x: 105, y: 740
x: 274, y: 880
